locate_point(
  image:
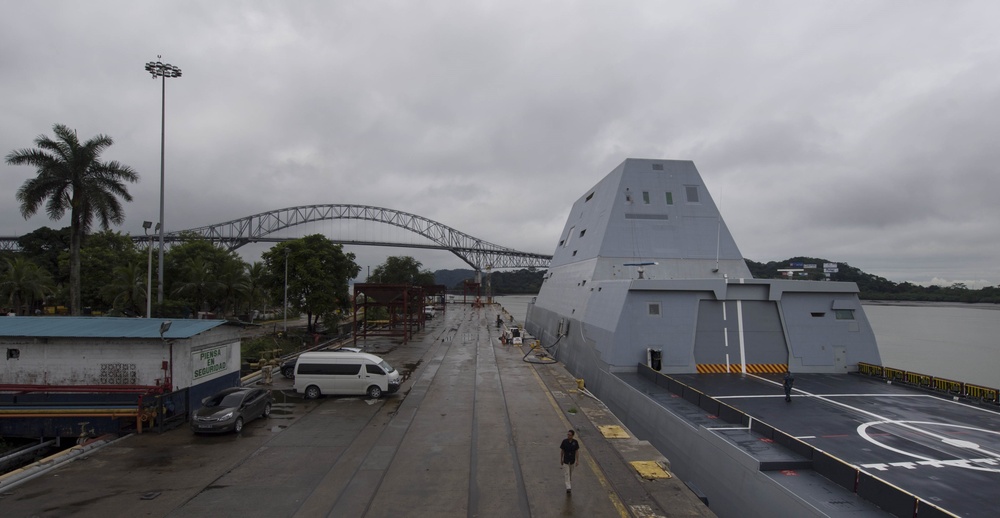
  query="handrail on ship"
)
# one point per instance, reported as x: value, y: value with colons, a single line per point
x: 988, y: 395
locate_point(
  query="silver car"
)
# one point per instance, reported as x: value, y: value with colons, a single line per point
x: 230, y: 409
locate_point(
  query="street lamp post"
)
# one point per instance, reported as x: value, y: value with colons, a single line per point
x: 285, y: 326
x: 162, y: 70
x: 149, y: 266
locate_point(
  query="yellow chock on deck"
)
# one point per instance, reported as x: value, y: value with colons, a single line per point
x: 613, y: 431
x: 579, y: 383
x: 650, y: 470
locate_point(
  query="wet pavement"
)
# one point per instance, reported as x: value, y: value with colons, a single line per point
x: 474, y: 431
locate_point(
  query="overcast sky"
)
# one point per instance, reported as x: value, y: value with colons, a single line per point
x: 856, y: 131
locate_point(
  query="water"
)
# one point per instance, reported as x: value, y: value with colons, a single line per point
x: 955, y: 341
x: 958, y: 342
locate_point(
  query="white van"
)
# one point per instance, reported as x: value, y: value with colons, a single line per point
x: 322, y: 373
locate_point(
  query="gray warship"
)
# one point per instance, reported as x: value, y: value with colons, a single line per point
x: 649, y: 300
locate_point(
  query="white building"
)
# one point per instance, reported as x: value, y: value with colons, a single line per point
x: 54, y: 366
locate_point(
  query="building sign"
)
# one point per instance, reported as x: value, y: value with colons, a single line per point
x: 809, y: 266
x: 207, y: 362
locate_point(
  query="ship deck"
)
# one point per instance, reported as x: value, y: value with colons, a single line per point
x: 941, y: 451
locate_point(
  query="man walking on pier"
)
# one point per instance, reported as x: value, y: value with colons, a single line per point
x: 568, y: 458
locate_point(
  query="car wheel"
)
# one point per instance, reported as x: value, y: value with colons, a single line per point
x: 288, y: 372
x: 238, y: 427
x: 312, y: 392
x: 374, y: 392
x: 267, y: 410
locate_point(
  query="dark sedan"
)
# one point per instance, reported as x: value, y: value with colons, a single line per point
x: 230, y: 409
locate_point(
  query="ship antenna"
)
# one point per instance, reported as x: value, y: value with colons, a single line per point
x: 718, y: 235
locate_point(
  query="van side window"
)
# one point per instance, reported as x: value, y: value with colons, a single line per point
x: 375, y: 369
x: 330, y: 369
x: 347, y: 368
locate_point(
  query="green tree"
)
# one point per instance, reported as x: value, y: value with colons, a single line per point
x: 401, y: 270
x: 71, y: 177
x: 256, y: 291
x: 232, y: 278
x: 127, y: 290
x: 192, y: 274
x: 197, y: 283
x: 44, y: 246
x: 318, y: 273
x: 102, y: 255
x: 22, y: 283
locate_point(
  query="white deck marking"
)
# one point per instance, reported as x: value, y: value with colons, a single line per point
x: 963, y: 463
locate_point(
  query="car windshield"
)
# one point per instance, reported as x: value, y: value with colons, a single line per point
x: 233, y: 400
x: 228, y: 400
x: 386, y: 367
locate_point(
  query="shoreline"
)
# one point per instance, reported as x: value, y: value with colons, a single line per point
x: 931, y: 304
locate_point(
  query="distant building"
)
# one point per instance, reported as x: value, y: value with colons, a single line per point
x: 115, y: 374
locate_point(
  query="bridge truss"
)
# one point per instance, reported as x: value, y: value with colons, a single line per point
x: 475, y: 252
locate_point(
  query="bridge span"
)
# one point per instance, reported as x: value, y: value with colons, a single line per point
x: 477, y: 253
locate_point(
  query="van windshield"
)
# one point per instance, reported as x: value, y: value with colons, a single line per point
x: 386, y: 367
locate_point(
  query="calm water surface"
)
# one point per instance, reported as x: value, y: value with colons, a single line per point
x: 959, y: 342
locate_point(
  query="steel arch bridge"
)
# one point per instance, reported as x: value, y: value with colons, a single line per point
x: 475, y: 252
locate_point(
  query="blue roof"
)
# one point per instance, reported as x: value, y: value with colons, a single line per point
x: 102, y: 327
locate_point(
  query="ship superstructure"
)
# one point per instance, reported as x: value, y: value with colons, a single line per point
x: 649, y: 300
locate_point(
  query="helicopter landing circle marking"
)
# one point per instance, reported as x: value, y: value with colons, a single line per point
x: 982, y: 458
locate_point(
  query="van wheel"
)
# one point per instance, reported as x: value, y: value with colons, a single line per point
x: 267, y: 410
x: 312, y: 392
x: 374, y: 392
x: 238, y: 427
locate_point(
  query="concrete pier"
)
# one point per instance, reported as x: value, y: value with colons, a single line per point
x: 474, y: 431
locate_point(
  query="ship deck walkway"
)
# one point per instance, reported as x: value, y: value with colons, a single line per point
x: 473, y: 431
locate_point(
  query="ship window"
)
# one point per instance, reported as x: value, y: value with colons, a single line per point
x: 574, y: 253
x: 657, y: 167
x: 13, y: 354
x: 692, y: 193
x: 569, y: 236
x: 582, y: 232
x: 670, y: 198
x: 818, y: 314
x: 561, y: 242
x: 654, y: 309
x: 628, y: 196
x: 589, y: 196
x: 844, y: 314
x: 645, y: 197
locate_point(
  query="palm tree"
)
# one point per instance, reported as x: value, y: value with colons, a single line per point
x: 127, y: 290
x: 232, y: 279
x: 23, y: 282
x: 256, y: 288
x: 198, y: 282
x: 72, y: 177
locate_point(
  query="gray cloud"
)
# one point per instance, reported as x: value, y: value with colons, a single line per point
x: 858, y: 132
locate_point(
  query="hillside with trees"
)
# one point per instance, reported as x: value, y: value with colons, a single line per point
x: 872, y: 287
x: 519, y: 282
